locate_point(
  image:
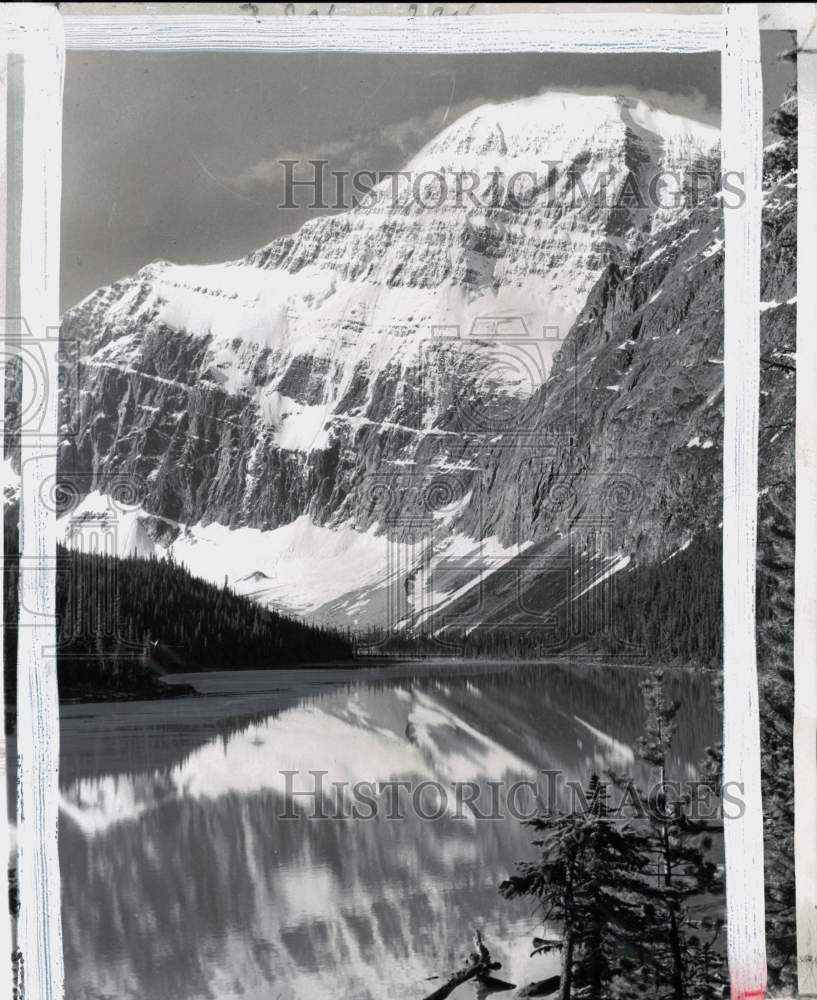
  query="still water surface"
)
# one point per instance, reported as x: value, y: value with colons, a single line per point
x: 182, y: 881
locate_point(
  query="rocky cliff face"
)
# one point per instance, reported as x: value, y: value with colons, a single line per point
x: 368, y: 419
x: 642, y: 376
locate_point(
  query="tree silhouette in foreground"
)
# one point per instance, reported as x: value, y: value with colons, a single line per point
x: 587, y: 879
x: 632, y: 889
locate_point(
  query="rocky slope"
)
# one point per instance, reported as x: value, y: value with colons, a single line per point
x: 433, y: 412
x: 291, y: 421
x: 643, y: 379
x: 776, y: 550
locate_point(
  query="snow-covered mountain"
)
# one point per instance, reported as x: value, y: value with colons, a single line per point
x: 356, y: 295
x: 362, y: 421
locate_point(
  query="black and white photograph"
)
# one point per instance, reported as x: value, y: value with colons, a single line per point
x: 389, y: 506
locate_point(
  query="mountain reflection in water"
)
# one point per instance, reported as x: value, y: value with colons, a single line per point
x: 181, y: 880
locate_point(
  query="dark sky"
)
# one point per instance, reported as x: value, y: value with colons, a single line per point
x: 173, y: 156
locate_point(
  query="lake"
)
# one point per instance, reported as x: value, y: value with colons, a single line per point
x: 190, y: 870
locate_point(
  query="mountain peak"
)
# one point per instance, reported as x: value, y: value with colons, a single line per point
x: 556, y: 125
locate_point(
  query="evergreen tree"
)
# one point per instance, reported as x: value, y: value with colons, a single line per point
x: 121, y: 622
x: 684, y: 880
x: 637, y: 898
x: 587, y: 879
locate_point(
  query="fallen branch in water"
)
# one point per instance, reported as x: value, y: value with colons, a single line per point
x: 479, y: 967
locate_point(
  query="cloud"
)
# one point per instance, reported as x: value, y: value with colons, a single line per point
x: 389, y: 148
x: 386, y: 148
x: 691, y: 103
x: 268, y: 173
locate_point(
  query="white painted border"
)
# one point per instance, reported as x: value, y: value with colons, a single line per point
x: 736, y: 34
x: 742, y: 146
x: 40, y: 925
x: 573, y: 32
